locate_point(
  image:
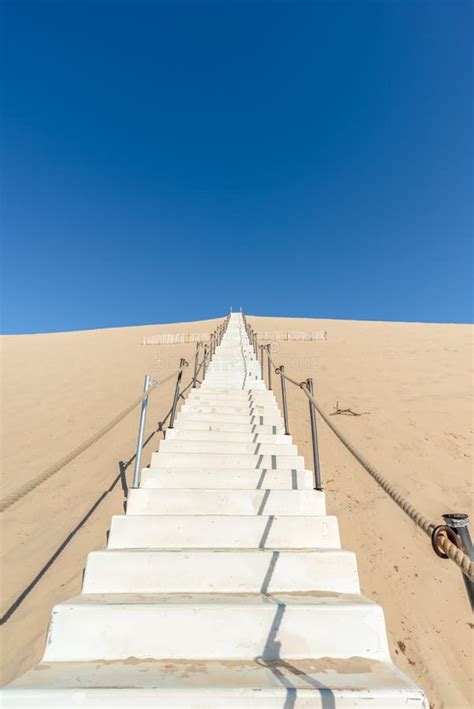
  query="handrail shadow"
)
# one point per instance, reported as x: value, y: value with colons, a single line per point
x: 122, y: 478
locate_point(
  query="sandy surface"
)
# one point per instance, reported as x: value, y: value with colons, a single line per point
x: 414, y: 381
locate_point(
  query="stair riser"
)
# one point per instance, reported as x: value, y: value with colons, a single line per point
x: 227, y: 480
x: 192, y: 425
x: 248, y: 419
x: 245, y: 410
x: 239, y: 395
x: 175, y: 434
x: 223, y: 532
x: 221, y: 572
x: 226, y: 502
x: 120, y: 631
x: 210, y: 698
x: 171, y: 445
x: 183, y: 461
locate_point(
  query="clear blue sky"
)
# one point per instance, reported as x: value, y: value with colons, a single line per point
x: 164, y: 160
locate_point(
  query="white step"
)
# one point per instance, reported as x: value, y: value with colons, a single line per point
x: 191, y: 424
x: 254, y: 684
x: 273, y: 420
x: 182, y: 461
x: 227, y: 437
x: 233, y: 395
x: 175, y: 445
x: 223, y: 532
x: 225, y: 502
x: 241, y: 409
x: 243, y: 384
x: 223, y: 571
x: 190, y: 626
x: 237, y: 479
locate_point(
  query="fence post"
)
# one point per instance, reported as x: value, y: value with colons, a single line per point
x: 460, y: 523
x: 141, y: 429
x: 269, y: 368
x: 176, y: 393
x: 196, y: 365
x: 283, y: 397
x: 314, y: 438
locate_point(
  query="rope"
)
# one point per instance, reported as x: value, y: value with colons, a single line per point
x: 29, y: 486
x: 452, y: 551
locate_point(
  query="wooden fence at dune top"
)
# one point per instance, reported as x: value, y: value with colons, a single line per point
x: 178, y: 338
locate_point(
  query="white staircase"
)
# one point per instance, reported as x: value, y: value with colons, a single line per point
x: 224, y: 585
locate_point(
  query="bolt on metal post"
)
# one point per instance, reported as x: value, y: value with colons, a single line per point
x: 141, y: 429
x: 269, y: 368
x: 176, y: 393
x: 460, y: 524
x: 314, y: 438
x: 283, y: 397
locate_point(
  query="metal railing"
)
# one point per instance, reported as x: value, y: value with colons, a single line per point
x: 208, y: 354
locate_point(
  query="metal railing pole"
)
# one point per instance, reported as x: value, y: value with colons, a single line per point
x: 176, y: 393
x: 255, y: 344
x: 283, y: 397
x: 314, y: 438
x: 261, y: 360
x: 204, y: 362
x: 211, y: 353
x: 196, y: 365
x: 141, y: 430
x: 460, y: 524
x: 269, y: 368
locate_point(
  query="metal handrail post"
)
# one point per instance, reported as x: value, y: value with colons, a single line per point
x: 281, y: 369
x: 211, y: 353
x: 255, y: 345
x: 261, y: 359
x: 204, y: 362
x: 269, y: 367
x: 314, y: 438
x: 141, y: 431
x: 176, y: 393
x: 196, y: 364
x: 460, y: 523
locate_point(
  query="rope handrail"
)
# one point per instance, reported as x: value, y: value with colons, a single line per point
x: 451, y: 550
x: 30, y: 485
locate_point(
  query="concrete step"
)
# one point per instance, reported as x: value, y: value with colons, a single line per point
x: 243, y: 384
x: 222, y: 571
x: 214, y: 684
x: 176, y: 434
x: 171, y: 626
x: 145, y: 501
x: 224, y: 408
x: 190, y: 424
x: 182, y: 461
x: 223, y: 532
x: 175, y: 445
x: 237, y: 479
x: 273, y: 420
x: 226, y: 393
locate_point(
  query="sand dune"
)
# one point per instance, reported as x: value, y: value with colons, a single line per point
x: 413, y: 380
